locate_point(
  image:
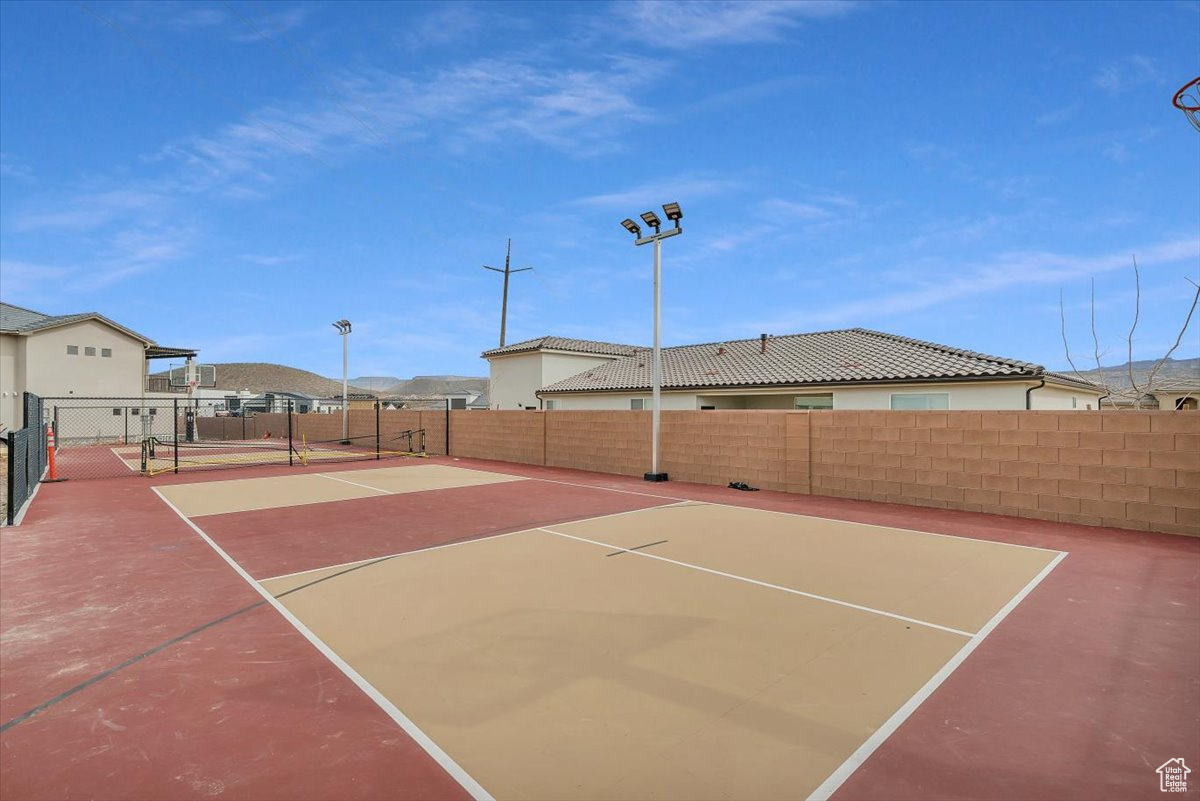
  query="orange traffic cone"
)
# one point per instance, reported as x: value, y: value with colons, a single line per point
x: 50, y: 449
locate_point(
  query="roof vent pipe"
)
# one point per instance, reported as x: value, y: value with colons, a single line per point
x: 763, y: 340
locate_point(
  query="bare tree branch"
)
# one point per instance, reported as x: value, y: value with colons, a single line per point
x: 1137, y: 313
x: 1062, y: 328
x: 1136, y: 390
x: 1186, y: 322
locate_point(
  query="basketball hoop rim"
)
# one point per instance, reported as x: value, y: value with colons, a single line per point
x: 1177, y: 101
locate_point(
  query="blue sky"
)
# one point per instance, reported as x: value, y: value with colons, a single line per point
x: 235, y: 176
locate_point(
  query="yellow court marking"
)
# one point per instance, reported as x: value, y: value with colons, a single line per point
x: 951, y: 581
x: 549, y: 670
x: 248, y: 494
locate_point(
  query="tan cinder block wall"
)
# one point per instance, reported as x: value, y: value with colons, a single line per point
x: 717, y: 447
x: 1127, y: 469
x: 603, y: 441
x: 509, y: 436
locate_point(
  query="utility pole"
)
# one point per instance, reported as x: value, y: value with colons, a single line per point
x: 507, y: 271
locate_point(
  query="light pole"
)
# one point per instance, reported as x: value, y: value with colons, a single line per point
x: 343, y: 327
x: 673, y: 213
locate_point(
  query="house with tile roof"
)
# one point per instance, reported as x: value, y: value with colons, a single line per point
x: 85, y: 355
x: 853, y: 368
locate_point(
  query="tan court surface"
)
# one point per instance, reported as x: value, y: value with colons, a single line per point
x: 550, y: 669
x: 220, y: 497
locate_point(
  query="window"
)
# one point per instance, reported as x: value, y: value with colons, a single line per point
x: 72, y: 350
x: 117, y: 412
x: 813, y: 401
x: 708, y: 408
x: 551, y: 405
x: 921, y: 400
x: 637, y: 404
x: 89, y: 351
x: 106, y: 353
x: 153, y: 411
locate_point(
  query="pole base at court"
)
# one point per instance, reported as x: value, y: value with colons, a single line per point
x: 655, y: 476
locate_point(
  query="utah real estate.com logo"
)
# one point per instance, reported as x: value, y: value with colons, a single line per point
x: 1172, y: 776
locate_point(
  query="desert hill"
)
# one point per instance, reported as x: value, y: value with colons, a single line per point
x: 261, y: 377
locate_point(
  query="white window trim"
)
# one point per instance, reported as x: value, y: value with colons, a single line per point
x: 796, y: 398
x: 892, y: 400
x: 641, y: 408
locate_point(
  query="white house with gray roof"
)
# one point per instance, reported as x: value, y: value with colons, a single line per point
x: 852, y: 368
x: 84, y: 355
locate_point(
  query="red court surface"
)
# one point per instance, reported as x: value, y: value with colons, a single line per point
x: 136, y: 663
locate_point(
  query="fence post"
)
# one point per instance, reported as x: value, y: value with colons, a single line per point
x: 377, y: 431
x: 290, y: 449
x: 10, y: 480
x: 447, y: 426
x: 175, y: 437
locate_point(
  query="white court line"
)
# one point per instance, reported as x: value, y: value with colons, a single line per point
x: 736, y: 577
x: 458, y: 542
x: 776, y: 511
x: 447, y: 763
x: 847, y: 768
x: 772, y: 511
x: 354, y: 483
x: 125, y: 461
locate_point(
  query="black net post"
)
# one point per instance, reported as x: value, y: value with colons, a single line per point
x: 377, y: 431
x: 175, y: 424
x: 447, y: 426
x: 291, y: 449
x: 243, y: 422
x: 11, y: 479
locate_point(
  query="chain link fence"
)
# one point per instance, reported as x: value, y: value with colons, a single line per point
x: 26, y: 459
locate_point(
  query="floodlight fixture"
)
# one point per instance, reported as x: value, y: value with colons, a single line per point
x: 675, y: 214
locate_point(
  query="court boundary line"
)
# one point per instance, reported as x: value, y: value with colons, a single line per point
x: 354, y: 483
x: 880, y: 735
x: 458, y: 542
x: 423, y: 740
x: 778, y: 512
x: 768, y: 585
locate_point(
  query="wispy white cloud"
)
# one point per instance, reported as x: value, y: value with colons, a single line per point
x: 90, y: 210
x: 497, y: 102
x: 1116, y: 151
x: 1125, y: 74
x: 451, y: 23
x: 272, y: 25
x: 26, y: 278
x: 269, y: 260
x: 1004, y: 272
x: 10, y: 167
x: 1059, y: 115
x: 655, y: 192
x: 679, y: 25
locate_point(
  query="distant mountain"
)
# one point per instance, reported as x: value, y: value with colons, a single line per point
x: 376, y: 382
x: 430, y: 386
x: 261, y: 377
x: 1117, y: 376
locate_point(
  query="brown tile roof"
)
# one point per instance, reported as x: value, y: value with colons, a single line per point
x: 564, y: 343
x: 854, y: 355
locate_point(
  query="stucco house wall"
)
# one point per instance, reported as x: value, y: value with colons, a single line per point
x: 984, y: 395
x: 515, y: 379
